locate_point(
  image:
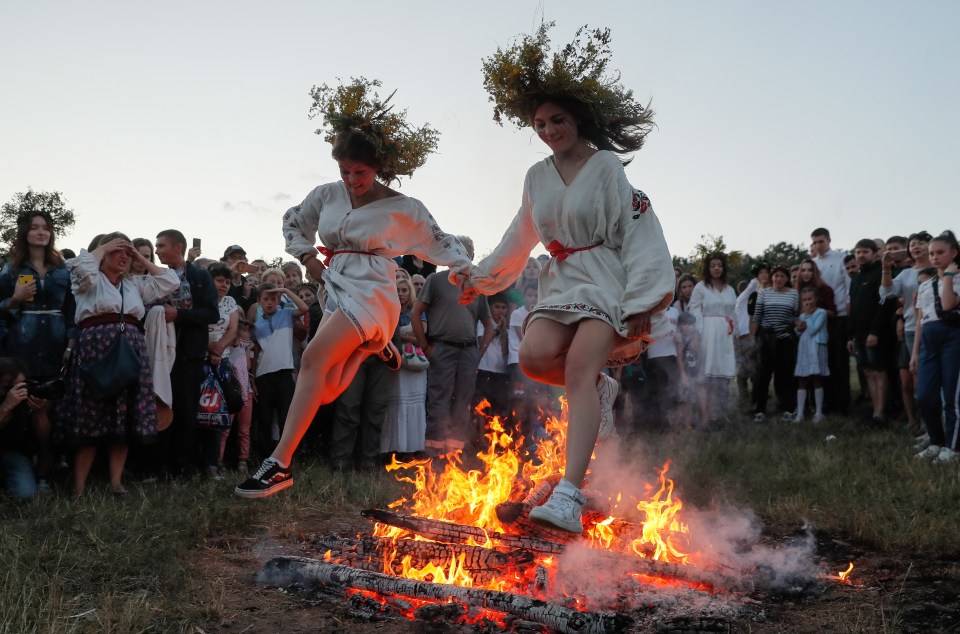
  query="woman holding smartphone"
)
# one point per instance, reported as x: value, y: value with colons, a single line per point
x: 38, y: 309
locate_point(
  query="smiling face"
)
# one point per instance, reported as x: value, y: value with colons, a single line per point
x: 222, y: 284
x: 169, y: 252
x: 556, y: 127
x: 919, y: 250
x: 38, y: 235
x: 358, y: 177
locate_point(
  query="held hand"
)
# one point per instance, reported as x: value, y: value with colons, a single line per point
x: 169, y: 313
x: 729, y: 325
x: 15, y: 395
x: 913, y: 364
x: 468, y: 291
x: 35, y: 404
x: 428, y: 351
x: 214, y: 359
x: 638, y: 325
x: 25, y: 292
x: 801, y: 325
x: 193, y: 253
x: 315, y: 269
x: 67, y: 353
x: 872, y: 341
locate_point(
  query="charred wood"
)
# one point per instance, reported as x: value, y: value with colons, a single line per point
x: 309, y: 572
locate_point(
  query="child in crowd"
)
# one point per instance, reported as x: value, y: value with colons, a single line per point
x: 530, y: 400
x: 241, y: 358
x: 691, y: 402
x: 811, y: 354
x: 493, y: 376
x: 221, y: 337
x: 273, y: 332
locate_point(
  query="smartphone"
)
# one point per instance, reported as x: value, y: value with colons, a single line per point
x: 246, y: 267
x: 23, y: 280
x: 899, y: 255
x: 196, y: 243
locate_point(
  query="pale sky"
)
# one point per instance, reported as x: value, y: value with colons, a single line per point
x: 773, y: 117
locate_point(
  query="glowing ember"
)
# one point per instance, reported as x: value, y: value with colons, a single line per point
x: 844, y: 574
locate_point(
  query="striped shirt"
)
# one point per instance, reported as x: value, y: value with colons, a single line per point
x: 776, y: 311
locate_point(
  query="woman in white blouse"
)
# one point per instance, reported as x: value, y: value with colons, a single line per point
x: 101, y: 286
x: 713, y: 302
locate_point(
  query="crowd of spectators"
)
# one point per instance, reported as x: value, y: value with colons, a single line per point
x: 216, y: 347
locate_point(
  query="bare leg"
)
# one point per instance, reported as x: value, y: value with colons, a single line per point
x: 117, y: 459
x: 82, y: 462
x: 327, y: 366
x: 572, y: 356
x: 906, y: 393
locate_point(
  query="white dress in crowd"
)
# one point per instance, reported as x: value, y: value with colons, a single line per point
x: 628, y: 272
x: 361, y: 285
x: 715, y: 312
x: 405, y: 425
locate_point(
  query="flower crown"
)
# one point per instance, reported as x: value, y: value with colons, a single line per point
x: 357, y: 105
x: 519, y: 78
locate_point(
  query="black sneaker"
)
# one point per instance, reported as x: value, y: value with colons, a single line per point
x: 268, y: 479
x: 391, y: 356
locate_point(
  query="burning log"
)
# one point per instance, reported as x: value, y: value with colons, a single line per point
x: 475, y: 558
x: 459, y: 533
x: 308, y: 572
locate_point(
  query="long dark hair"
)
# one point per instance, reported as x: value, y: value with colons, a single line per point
x: 21, y: 250
x: 621, y: 136
x: 707, y: 278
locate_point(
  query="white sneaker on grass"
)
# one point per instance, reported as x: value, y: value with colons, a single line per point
x: 818, y: 418
x: 562, y: 510
x: 922, y: 442
x: 946, y: 455
x: 932, y: 451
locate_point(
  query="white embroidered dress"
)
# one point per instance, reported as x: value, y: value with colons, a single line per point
x: 628, y: 272
x: 716, y: 314
x: 362, y: 285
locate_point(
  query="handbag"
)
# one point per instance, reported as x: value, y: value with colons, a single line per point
x: 413, y: 358
x: 230, y: 386
x: 948, y: 317
x: 118, y: 369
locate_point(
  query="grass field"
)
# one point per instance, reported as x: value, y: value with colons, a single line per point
x: 127, y: 564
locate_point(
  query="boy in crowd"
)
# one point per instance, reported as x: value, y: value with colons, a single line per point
x: 273, y: 360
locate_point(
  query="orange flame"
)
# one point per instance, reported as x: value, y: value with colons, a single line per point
x: 471, y: 497
x: 844, y: 574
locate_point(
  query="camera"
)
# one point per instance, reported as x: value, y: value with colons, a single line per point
x: 51, y: 389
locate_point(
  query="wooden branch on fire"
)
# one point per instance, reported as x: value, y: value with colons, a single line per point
x: 459, y: 533
x: 624, y: 562
x: 284, y: 571
x: 475, y: 558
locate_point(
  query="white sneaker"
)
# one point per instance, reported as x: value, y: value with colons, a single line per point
x: 797, y: 418
x: 933, y: 451
x: 818, y: 418
x: 790, y: 417
x: 607, y: 388
x: 922, y: 442
x: 946, y: 455
x: 759, y: 417
x: 562, y: 510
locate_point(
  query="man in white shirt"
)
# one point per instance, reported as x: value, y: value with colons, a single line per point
x: 832, y: 271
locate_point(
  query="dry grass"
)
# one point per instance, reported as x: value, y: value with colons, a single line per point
x: 107, y: 564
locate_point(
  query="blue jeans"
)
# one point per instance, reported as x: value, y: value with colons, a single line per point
x: 18, y: 475
x: 937, y: 373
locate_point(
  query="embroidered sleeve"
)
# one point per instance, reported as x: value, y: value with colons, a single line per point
x: 300, y: 225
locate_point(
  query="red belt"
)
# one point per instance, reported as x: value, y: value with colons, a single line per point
x: 561, y: 252
x: 109, y: 318
x: 329, y: 253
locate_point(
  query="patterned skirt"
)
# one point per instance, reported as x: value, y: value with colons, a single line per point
x: 83, y: 419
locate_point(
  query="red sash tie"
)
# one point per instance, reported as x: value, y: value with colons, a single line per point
x: 561, y: 252
x: 329, y: 253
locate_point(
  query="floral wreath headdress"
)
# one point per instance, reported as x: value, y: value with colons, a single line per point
x: 521, y: 77
x: 358, y: 106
